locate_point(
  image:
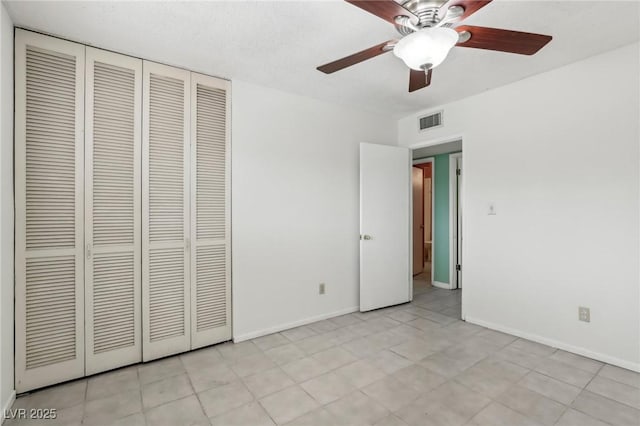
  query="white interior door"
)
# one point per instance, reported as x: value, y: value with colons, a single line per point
x: 112, y: 215
x: 385, y: 226
x: 166, y: 299
x: 49, y: 178
x: 210, y: 211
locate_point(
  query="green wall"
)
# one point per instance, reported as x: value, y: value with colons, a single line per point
x: 441, y: 218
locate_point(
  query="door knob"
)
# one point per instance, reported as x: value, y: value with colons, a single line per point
x: 366, y: 237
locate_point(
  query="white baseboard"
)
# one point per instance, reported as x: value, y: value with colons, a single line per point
x: 633, y: 366
x: 438, y: 284
x: 7, y: 405
x: 287, y: 326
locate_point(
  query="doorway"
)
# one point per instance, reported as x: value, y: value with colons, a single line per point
x: 392, y: 235
x: 437, y: 228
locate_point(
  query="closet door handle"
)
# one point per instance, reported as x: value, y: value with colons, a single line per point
x: 89, y: 251
x: 186, y: 244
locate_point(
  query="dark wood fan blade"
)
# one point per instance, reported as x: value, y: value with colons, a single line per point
x: 356, y: 58
x: 385, y: 9
x: 503, y: 40
x: 470, y: 7
x: 419, y: 79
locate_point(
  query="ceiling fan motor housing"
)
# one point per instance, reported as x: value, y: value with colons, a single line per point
x: 428, y: 12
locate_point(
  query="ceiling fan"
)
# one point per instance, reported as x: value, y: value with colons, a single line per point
x: 428, y: 33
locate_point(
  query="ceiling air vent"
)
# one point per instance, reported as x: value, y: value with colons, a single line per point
x: 430, y: 121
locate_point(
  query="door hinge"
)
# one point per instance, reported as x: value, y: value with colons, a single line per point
x: 458, y: 267
x: 458, y: 172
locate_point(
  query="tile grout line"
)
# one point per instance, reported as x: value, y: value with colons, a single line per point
x: 144, y: 416
x: 193, y: 389
x: 84, y: 402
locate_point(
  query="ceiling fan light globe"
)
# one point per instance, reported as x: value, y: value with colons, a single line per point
x: 427, y: 46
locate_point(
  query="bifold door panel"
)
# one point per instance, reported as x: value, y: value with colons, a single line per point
x: 113, y: 125
x: 122, y: 210
x: 49, y: 114
x: 210, y: 226
x: 165, y: 211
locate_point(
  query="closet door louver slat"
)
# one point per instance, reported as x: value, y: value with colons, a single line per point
x: 210, y: 209
x: 49, y: 84
x: 113, y: 210
x: 165, y: 228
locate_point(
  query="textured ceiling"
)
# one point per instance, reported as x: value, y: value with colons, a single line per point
x: 279, y: 43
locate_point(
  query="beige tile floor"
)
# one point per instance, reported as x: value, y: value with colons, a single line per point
x: 415, y: 364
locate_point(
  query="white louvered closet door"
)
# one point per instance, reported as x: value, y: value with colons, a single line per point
x: 210, y: 211
x: 166, y: 310
x: 113, y: 145
x: 49, y: 107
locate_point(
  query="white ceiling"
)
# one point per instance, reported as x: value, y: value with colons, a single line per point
x: 279, y: 43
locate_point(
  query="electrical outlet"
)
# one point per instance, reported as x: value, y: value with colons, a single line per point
x: 584, y: 314
x: 321, y: 288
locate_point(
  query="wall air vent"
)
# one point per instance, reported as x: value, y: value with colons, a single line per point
x: 430, y: 121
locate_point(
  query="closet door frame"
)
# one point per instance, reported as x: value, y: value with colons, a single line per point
x: 28, y: 379
x: 218, y: 334
x: 128, y: 355
x: 165, y: 347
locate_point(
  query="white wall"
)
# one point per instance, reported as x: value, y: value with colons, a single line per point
x: 558, y: 153
x: 295, y: 207
x: 6, y: 208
